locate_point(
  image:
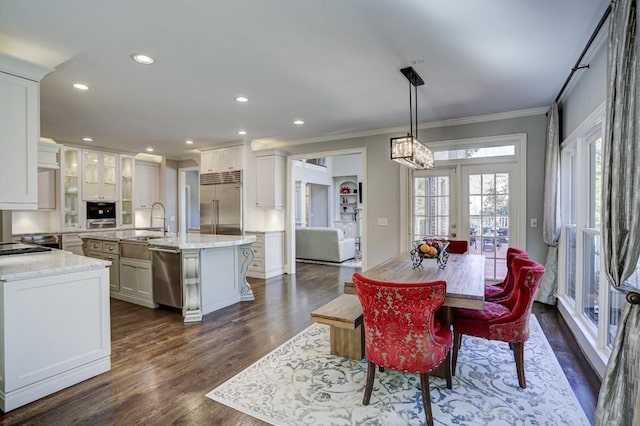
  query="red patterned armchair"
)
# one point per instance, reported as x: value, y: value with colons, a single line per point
x: 401, y: 332
x: 502, y: 322
x: 501, y: 291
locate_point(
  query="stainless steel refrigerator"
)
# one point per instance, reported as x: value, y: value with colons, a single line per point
x: 221, y: 209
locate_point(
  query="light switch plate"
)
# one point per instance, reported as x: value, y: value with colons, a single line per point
x: 383, y: 221
x: 533, y: 222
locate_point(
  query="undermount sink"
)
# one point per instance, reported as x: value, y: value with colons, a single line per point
x: 135, y: 248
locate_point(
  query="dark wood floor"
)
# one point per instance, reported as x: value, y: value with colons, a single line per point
x: 162, y: 368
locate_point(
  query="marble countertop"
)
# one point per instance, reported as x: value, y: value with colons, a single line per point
x: 25, y: 266
x: 202, y: 241
x: 122, y: 235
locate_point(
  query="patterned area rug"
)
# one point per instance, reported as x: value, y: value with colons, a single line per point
x: 300, y: 384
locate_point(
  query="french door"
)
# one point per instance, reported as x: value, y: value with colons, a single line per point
x: 473, y: 202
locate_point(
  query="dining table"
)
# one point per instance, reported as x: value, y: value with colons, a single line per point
x: 463, y: 273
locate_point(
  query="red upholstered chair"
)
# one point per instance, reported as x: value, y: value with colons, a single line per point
x: 458, y: 246
x: 501, y: 291
x: 401, y: 333
x: 501, y: 322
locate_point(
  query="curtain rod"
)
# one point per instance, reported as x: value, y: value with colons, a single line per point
x: 577, y: 66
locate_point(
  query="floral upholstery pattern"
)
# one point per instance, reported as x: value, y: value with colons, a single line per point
x: 401, y: 332
x: 494, y: 324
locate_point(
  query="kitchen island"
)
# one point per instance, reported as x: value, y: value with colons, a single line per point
x: 213, y: 270
x: 55, y: 324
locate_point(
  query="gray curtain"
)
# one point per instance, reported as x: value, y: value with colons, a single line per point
x: 618, y: 402
x: 551, y: 221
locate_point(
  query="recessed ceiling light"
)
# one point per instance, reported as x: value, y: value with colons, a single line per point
x: 189, y: 142
x: 242, y: 99
x: 142, y: 59
x: 242, y: 132
x: 298, y: 122
x: 87, y: 139
x: 149, y: 149
x: 80, y: 86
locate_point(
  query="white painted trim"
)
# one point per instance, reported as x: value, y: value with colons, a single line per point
x: 290, y: 226
x: 260, y: 144
x: 23, y: 69
x: 585, y: 127
x: 25, y: 395
x: 598, y: 358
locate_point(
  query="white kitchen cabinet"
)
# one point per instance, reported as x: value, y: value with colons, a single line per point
x: 268, y: 254
x: 47, y: 184
x: 222, y: 159
x: 232, y: 158
x: 136, y: 280
x: 127, y: 166
x: 145, y: 184
x: 211, y: 161
x: 56, y: 330
x: 100, y: 175
x: 270, y: 179
x: 19, y: 133
x: 72, y: 211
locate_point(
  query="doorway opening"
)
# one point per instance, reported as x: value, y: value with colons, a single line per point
x: 325, y: 190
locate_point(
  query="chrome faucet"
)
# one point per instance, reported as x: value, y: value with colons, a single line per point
x: 164, y: 217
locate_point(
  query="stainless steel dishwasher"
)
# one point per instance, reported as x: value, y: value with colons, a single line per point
x: 166, y: 267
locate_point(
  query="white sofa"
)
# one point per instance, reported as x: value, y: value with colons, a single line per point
x: 327, y: 244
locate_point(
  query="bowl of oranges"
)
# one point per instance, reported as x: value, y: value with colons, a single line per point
x: 430, y: 248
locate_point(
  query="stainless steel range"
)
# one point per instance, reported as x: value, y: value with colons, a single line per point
x: 19, y: 248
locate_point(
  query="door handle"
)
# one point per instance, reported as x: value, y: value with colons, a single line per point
x: 453, y: 234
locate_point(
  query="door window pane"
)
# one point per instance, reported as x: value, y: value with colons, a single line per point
x: 489, y: 221
x: 431, y: 206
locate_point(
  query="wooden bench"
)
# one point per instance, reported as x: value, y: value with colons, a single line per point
x: 344, y: 316
x: 348, y: 288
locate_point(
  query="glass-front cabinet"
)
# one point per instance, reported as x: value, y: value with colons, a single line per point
x: 71, y: 213
x: 100, y: 172
x: 127, y: 167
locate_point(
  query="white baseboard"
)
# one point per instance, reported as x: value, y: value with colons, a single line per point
x: 133, y: 299
x: 30, y: 393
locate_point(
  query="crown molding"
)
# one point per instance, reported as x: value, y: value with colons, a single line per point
x: 260, y: 144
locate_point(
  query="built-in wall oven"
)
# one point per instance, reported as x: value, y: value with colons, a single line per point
x: 101, y: 215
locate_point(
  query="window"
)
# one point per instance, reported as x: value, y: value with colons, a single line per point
x: 481, y: 152
x: 583, y: 290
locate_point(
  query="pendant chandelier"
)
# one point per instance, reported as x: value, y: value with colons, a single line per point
x: 408, y: 150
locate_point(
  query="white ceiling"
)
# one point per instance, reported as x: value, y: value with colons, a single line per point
x: 332, y: 63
